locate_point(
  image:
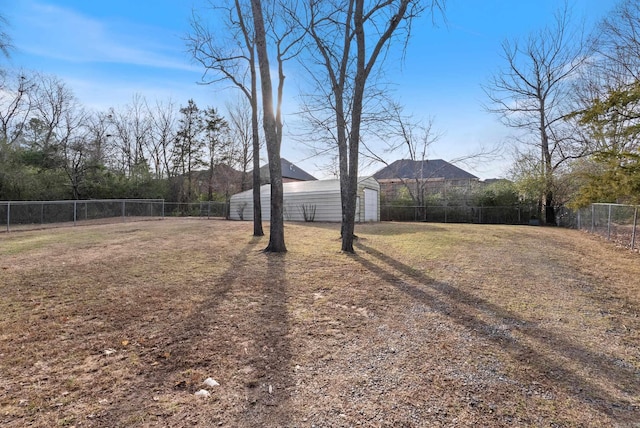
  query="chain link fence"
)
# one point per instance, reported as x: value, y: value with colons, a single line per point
x: 459, y: 214
x: 614, y: 222
x: 206, y: 209
x: 22, y: 215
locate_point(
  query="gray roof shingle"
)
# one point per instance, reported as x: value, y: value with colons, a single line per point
x: 433, y: 168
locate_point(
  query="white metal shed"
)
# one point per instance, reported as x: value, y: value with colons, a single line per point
x: 317, y: 199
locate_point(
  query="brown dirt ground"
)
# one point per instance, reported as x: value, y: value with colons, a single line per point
x: 427, y: 325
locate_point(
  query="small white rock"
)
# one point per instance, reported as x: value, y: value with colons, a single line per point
x: 270, y: 389
x: 211, y: 382
x: 203, y: 393
x: 109, y: 351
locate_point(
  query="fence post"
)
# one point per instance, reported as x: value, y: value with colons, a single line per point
x: 42, y: 213
x: 8, y: 216
x: 163, y: 208
x: 123, y: 210
x: 635, y: 224
x: 593, y: 218
x: 75, y: 212
x: 579, y: 219
x: 609, y: 225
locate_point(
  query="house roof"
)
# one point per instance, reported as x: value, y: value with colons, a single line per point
x: 432, y: 168
x: 289, y: 170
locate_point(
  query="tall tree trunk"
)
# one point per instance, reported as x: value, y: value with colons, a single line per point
x: 547, y: 171
x: 257, y: 204
x: 210, y: 181
x: 255, y: 134
x: 276, y: 235
x: 351, y: 192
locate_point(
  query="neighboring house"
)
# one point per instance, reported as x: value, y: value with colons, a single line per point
x: 433, y: 177
x: 317, y: 200
x: 219, y: 183
x: 290, y: 173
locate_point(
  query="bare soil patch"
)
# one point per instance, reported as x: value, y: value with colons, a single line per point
x: 427, y: 325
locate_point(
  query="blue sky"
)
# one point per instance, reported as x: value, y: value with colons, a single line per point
x: 107, y: 51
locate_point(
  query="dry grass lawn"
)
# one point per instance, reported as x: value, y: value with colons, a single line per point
x: 426, y: 326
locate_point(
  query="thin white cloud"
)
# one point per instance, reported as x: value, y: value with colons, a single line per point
x: 100, y: 96
x: 59, y: 33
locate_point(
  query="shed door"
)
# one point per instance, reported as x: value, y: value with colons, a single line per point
x: 370, y: 205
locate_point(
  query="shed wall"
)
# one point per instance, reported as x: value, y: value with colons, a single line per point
x: 323, y: 196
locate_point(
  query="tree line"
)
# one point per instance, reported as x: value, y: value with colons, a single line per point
x: 51, y: 147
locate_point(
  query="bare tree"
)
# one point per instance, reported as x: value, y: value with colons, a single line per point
x: 533, y: 93
x: 139, y: 126
x: 131, y: 131
x: 163, y: 117
x: 75, y: 149
x: 233, y: 59
x: 251, y: 28
x: 413, y: 139
x: 618, y: 42
x: 5, y: 38
x: 241, y: 134
x: 57, y: 130
x: 17, y: 91
x: 349, y: 41
x: 272, y: 124
x: 52, y: 102
x: 98, y: 133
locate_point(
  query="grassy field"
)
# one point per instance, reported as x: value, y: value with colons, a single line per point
x: 427, y: 325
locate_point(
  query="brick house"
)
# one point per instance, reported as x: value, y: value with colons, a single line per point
x: 435, y: 177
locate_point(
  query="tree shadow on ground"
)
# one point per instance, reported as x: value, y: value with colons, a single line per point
x: 464, y: 309
x: 240, y: 334
x: 187, y: 350
x: 269, y: 383
x: 199, y: 323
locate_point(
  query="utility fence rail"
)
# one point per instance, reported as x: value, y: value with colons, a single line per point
x: 34, y: 214
x: 614, y: 222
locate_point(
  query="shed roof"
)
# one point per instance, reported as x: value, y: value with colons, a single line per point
x: 289, y: 170
x: 432, y: 168
x: 315, y: 186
